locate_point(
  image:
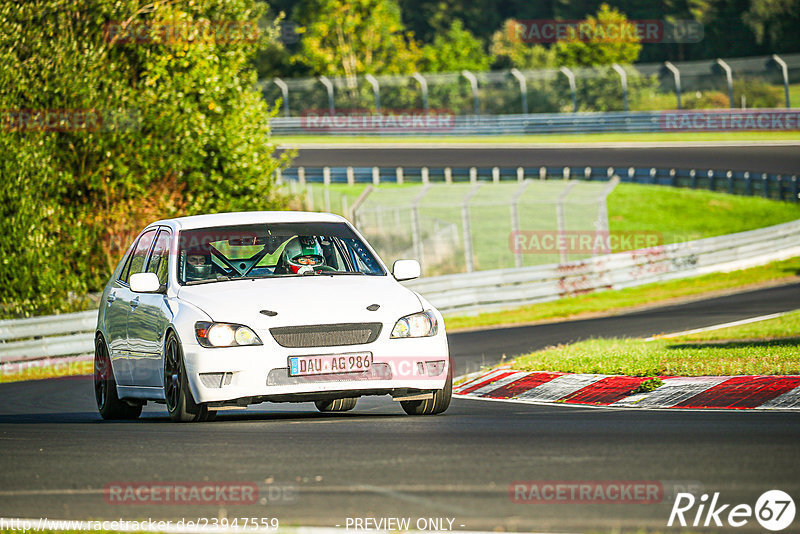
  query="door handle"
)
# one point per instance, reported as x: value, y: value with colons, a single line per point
x: 111, y: 298
x: 134, y: 302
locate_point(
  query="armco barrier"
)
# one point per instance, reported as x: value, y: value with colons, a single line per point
x: 747, y: 183
x: 506, y: 288
x: 717, y: 120
x: 71, y: 334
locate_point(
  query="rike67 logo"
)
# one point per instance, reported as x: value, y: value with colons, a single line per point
x: 774, y: 510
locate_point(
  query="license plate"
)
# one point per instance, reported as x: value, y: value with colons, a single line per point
x: 354, y: 362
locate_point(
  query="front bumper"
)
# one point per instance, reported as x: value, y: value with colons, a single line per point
x: 245, y: 375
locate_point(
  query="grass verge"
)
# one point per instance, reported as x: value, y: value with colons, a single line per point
x: 606, y: 302
x: 535, y: 139
x: 770, y: 347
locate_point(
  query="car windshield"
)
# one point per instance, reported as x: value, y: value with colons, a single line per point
x: 223, y: 253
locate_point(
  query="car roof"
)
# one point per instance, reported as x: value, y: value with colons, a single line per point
x: 246, y: 217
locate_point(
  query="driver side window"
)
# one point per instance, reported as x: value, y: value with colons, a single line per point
x: 159, y: 258
x: 136, y: 261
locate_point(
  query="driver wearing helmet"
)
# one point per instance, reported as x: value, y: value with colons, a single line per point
x: 303, y: 254
x: 198, y: 266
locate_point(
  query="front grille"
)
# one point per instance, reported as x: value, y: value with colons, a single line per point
x: 326, y: 335
x: 280, y: 377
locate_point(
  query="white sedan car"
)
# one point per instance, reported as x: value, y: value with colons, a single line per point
x: 216, y: 312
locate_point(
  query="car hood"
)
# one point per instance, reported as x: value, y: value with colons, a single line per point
x: 304, y: 300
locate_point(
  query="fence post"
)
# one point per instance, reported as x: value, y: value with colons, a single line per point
x: 794, y: 188
x: 473, y: 175
x: 399, y: 175
x: 301, y: 176
x: 416, y: 232
x: 748, y: 184
x: 425, y: 176
x: 571, y: 78
x: 543, y: 173
x: 448, y: 175
x: 496, y: 175
x: 623, y: 78
x: 329, y: 87
x: 351, y: 177
x: 676, y: 74
x: 376, y: 176
x: 520, y: 174
x: 560, y: 220
x: 765, y: 184
x: 285, y: 92
x: 326, y: 176
x: 423, y: 85
x: 785, y: 72
x: 357, y: 204
x: 601, y: 225
x: 523, y: 89
x: 515, y: 229
x: 468, y: 255
x: 729, y: 77
x: 376, y: 90
x: 473, y: 82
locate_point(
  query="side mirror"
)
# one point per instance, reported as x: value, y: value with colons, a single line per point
x: 145, y: 283
x: 406, y: 270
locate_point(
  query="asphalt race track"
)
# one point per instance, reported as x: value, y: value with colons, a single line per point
x: 474, y: 349
x: 57, y: 456
x: 778, y: 159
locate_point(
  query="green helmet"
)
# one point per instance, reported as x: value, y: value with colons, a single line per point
x: 302, y: 251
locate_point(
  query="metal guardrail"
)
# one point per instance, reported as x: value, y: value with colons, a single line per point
x: 48, y: 336
x: 747, y: 183
x: 508, y: 288
x: 550, y: 123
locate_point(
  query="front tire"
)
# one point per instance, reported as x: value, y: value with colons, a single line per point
x: 105, y: 387
x: 180, y: 402
x: 438, y: 404
x: 336, y: 405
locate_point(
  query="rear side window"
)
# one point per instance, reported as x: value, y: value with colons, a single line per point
x: 159, y: 257
x: 136, y: 261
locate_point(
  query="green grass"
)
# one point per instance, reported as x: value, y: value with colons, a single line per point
x: 534, y: 139
x: 764, y: 348
x: 686, y: 214
x: 605, y: 302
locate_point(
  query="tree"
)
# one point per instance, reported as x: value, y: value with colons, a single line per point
x: 141, y: 126
x: 454, y: 50
x: 775, y: 23
x: 509, y: 51
x: 605, y: 43
x: 352, y: 37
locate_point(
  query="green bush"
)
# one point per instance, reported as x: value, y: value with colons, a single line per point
x: 183, y: 131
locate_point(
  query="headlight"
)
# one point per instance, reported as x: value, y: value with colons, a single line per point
x: 421, y: 324
x: 224, y: 335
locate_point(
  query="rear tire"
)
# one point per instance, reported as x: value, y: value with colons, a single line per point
x: 336, y: 405
x: 180, y: 402
x: 105, y: 387
x: 438, y: 404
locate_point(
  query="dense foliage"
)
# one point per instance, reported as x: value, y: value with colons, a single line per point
x: 140, y: 128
